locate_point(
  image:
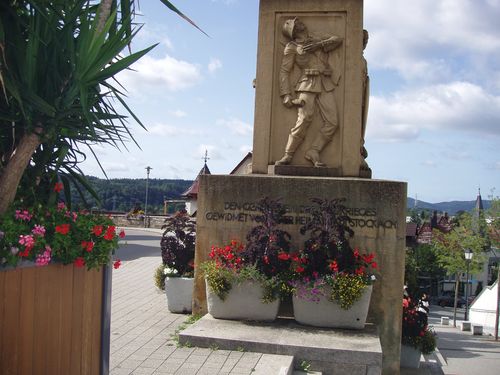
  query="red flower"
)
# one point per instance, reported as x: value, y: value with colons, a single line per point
x: 299, y: 269
x: 117, y: 264
x: 97, y: 230
x: 334, y: 266
x: 356, y: 253
x: 109, y: 236
x: 79, y: 262
x: 88, y: 245
x: 58, y: 187
x: 122, y: 233
x: 265, y: 258
x: 374, y: 265
x: 63, y: 228
x: 368, y: 258
x: 283, y: 256
x: 360, y: 270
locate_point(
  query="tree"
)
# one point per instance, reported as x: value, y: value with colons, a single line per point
x: 421, y: 262
x: 450, y: 248
x: 58, y: 60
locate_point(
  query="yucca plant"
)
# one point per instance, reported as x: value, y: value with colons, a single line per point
x: 58, y: 92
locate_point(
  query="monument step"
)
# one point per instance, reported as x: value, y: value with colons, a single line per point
x: 343, y: 352
x: 274, y: 364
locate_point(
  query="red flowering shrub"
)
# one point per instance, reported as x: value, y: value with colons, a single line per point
x: 44, y: 235
x: 327, y: 261
x: 415, y: 331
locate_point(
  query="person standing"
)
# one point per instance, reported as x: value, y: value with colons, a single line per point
x: 423, y: 307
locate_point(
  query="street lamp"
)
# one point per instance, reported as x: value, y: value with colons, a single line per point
x: 148, y: 169
x: 468, y: 256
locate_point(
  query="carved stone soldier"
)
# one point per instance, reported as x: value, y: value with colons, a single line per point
x: 314, y: 88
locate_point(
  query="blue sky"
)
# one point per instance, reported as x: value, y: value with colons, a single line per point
x: 434, y: 117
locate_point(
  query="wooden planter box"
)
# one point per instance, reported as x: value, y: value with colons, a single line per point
x: 54, y: 320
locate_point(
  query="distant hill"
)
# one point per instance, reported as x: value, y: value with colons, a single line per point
x: 123, y: 194
x: 451, y: 207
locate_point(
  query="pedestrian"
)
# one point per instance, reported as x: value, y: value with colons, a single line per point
x: 423, y: 307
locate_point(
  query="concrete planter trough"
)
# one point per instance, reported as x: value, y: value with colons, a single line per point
x: 179, y: 291
x: 410, y: 357
x: 329, y: 314
x: 243, y: 302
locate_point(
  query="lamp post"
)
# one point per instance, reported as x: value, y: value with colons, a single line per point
x: 148, y: 169
x: 468, y: 257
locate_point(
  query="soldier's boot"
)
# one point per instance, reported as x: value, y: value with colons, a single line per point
x: 291, y: 146
x: 313, y: 153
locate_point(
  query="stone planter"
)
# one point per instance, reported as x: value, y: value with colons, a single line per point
x: 243, y: 302
x: 326, y: 313
x: 179, y: 291
x: 410, y: 357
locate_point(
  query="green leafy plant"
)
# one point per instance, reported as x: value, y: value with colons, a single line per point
x: 159, y: 277
x: 227, y: 268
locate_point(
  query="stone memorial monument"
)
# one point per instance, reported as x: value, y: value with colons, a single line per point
x: 311, y: 109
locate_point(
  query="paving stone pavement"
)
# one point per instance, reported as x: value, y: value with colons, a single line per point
x: 142, y: 331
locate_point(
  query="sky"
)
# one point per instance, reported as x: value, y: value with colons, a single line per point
x: 434, y: 112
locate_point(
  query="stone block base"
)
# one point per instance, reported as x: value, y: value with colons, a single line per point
x: 339, y: 352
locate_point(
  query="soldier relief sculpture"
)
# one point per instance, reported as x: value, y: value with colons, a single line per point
x: 314, y: 90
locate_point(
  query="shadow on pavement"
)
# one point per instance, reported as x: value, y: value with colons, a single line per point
x: 136, y: 251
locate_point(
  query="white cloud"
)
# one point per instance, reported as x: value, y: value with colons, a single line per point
x: 115, y: 167
x: 214, y: 65
x: 236, y: 126
x: 178, y: 113
x: 166, y: 73
x: 245, y: 149
x: 422, y: 40
x: 429, y: 163
x: 165, y: 130
x: 455, y: 106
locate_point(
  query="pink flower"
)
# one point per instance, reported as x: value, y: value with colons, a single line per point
x: 61, y: 206
x: 23, y: 215
x: 44, y: 258
x: 27, y: 240
x: 38, y: 230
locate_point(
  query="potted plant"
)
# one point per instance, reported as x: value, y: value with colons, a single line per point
x: 416, y: 338
x: 244, y: 282
x: 53, y: 264
x: 177, y: 252
x: 331, y: 281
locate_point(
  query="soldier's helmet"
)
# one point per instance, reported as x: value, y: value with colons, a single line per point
x: 288, y: 27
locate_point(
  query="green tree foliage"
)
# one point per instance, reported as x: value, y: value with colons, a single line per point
x: 126, y: 193
x: 421, y: 261
x: 58, y: 95
x: 450, y: 248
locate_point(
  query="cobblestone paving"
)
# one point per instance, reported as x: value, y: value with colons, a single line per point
x: 142, y: 331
